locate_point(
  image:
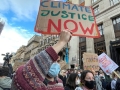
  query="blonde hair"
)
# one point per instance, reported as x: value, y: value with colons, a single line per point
x: 62, y: 71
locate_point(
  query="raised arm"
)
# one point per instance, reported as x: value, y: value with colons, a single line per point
x: 38, y: 67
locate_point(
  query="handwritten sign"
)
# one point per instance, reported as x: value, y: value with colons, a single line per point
x: 106, y: 64
x: 90, y: 61
x: 55, y: 16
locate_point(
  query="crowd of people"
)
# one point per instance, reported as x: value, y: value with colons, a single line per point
x: 43, y: 72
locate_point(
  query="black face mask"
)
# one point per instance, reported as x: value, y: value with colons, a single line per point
x: 89, y: 84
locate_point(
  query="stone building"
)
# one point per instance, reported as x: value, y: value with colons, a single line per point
x: 107, y: 14
x: 36, y: 44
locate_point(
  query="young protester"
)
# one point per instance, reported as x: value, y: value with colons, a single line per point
x: 73, y: 81
x: 87, y: 81
x: 40, y: 73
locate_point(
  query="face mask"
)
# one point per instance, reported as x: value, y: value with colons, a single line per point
x: 89, y: 84
x: 77, y: 81
x: 54, y: 70
x: 79, y: 75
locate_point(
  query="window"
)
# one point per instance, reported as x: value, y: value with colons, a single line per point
x: 82, y: 39
x: 93, y: 1
x: 96, y: 10
x: 113, y: 2
x: 100, y: 28
x: 100, y: 47
x: 116, y: 23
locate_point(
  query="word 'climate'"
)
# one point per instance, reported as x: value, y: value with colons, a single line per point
x: 54, y: 4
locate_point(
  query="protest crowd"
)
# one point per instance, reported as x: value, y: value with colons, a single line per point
x: 43, y: 72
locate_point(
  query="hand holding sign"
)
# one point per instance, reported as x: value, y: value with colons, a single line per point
x: 65, y: 36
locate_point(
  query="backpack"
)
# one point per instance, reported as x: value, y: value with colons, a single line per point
x: 5, y: 88
x: 118, y: 84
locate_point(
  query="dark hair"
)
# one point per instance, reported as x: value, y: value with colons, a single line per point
x: 71, y: 80
x: 60, y: 53
x: 84, y: 73
x: 4, y: 71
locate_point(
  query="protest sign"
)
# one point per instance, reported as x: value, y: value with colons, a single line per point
x: 90, y: 61
x: 106, y: 64
x: 55, y: 16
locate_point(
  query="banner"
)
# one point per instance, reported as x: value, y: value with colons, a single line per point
x: 90, y: 61
x: 55, y: 16
x: 107, y: 64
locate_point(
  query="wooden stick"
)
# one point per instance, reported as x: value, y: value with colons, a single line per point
x: 116, y: 74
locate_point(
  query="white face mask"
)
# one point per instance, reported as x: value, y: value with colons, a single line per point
x: 77, y: 81
x: 79, y: 75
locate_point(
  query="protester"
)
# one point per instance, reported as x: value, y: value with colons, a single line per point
x: 40, y: 73
x: 5, y: 82
x: 63, y: 76
x: 118, y: 84
x: 72, y: 82
x: 103, y: 79
x: 79, y: 73
x: 98, y: 82
x: 87, y: 80
x: 113, y: 82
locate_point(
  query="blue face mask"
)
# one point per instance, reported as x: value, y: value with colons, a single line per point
x: 54, y: 70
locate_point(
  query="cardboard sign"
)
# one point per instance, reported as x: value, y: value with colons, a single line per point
x: 107, y: 64
x: 55, y: 16
x: 90, y: 61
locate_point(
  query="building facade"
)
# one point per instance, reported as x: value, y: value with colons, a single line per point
x: 34, y: 46
x: 107, y: 14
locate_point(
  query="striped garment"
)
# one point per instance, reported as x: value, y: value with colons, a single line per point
x: 32, y: 75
